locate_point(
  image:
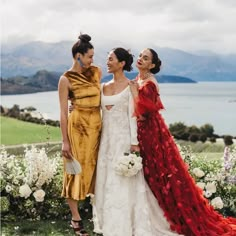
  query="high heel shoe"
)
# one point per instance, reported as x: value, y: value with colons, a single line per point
x: 79, y: 229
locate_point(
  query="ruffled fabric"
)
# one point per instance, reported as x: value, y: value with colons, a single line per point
x: 183, y: 203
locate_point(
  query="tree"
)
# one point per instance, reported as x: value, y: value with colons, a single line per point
x: 194, y: 138
x: 14, y: 111
x: 212, y: 139
x: 177, y: 129
x: 207, y: 129
x: 228, y: 140
x: 203, y: 138
x: 194, y: 130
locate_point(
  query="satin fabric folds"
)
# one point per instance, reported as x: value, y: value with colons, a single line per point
x: 84, y: 125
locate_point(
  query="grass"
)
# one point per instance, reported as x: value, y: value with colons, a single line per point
x: 14, y: 132
x: 208, y: 147
x: 41, y: 228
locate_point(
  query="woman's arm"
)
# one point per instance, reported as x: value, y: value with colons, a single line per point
x: 99, y: 73
x: 63, y: 90
x: 133, y: 126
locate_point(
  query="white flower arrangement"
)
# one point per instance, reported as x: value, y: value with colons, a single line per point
x: 39, y: 195
x: 216, y: 178
x: 198, y: 172
x: 217, y: 203
x: 39, y: 168
x: 25, y: 191
x: 129, y: 164
x: 30, y: 185
x: 27, y: 180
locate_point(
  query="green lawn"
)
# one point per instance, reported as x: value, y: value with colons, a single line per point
x: 14, y: 132
x: 207, y: 147
x: 42, y: 228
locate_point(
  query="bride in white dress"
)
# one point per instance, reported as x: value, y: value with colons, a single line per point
x: 124, y: 206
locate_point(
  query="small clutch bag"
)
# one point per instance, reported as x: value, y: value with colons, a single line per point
x: 73, y: 167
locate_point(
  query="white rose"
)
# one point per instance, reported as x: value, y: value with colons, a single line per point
x: 201, y: 185
x: 211, y: 187
x: 198, y: 172
x: 25, y: 191
x: 39, y: 195
x: 217, y: 203
x: 8, y: 188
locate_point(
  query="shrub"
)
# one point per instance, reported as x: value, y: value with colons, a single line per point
x: 207, y: 129
x: 203, y: 138
x: 185, y: 136
x: 194, y: 129
x: 212, y: 139
x: 228, y: 140
x: 193, y: 138
x: 177, y: 129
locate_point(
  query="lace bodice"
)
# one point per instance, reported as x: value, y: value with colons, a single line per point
x: 122, y: 110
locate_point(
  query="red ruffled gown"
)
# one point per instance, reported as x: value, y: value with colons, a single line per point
x: 183, y: 203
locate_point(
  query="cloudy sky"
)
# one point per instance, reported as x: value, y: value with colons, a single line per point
x: 189, y: 25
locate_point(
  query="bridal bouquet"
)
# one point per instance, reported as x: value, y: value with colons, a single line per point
x: 129, y: 164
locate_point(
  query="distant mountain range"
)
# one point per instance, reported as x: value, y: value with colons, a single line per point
x: 27, y: 59
x: 48, y: 81
x: 159, y: 78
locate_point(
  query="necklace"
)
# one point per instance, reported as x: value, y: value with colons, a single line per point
x: 141, y: 79
x: 145, y: 76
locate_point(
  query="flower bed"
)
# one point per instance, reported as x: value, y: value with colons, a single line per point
x: 216, y: 178
x: 31, y: 185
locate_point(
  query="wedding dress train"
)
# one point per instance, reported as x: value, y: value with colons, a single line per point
x: 124, y: 206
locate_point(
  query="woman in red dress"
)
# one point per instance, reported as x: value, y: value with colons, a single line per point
x: 185, y: 207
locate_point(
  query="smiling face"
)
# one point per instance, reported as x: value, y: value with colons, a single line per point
x: 113, y: 64
x: 144, y: 61
x: 87, y: 58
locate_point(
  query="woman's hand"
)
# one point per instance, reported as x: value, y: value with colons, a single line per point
x: 141, y: 118
x: 66, y: 151
x: 134, y: 87
x: 134, y: 148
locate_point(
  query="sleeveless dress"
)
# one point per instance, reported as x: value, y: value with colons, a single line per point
x: 124, y: 206
x: 185, y: 207
x: 84, y: 125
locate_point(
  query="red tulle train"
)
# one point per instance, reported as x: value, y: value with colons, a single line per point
x: 183, y: 203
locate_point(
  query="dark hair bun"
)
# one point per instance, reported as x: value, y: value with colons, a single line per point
x: 85, y: 38
x: 155, y: 60
x: 129, y: 61
x: 124, y: 55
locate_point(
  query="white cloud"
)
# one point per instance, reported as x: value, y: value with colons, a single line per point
x: 184, y: 24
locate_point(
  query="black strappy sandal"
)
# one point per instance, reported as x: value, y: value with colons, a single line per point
x: 79, y: 230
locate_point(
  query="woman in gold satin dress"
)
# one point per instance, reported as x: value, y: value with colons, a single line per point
x: 81, y: 129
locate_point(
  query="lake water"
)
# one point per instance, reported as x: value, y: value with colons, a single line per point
x: 193, y: 104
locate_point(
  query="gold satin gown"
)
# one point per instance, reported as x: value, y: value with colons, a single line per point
x: 84, y: 126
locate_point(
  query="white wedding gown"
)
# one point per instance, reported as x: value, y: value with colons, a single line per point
x: 124, y: 206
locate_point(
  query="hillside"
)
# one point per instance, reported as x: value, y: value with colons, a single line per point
x: 48, y: 81
x: 31, y: 57
x: 159, y: 78
x: 40, y: 82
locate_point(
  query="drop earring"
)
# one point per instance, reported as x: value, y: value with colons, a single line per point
x: 80, y: 62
